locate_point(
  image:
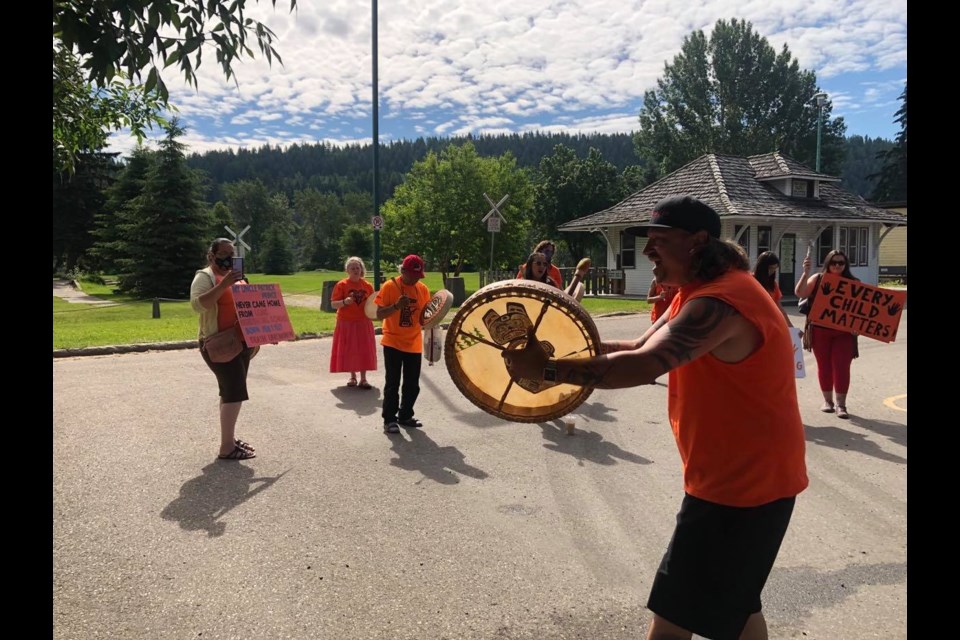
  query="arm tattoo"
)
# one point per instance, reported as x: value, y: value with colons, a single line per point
x: 594, y: 375
x: 691, y: 330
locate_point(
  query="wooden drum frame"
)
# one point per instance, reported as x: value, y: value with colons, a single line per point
x: 496, y: 318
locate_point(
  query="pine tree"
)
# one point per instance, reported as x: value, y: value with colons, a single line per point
x: 892, y: 178
x: 115, y: 216
x: 165, y: 241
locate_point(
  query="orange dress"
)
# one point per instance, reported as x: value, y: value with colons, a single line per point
x: 354, y: 344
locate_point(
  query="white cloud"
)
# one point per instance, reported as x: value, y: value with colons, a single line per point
x: 518, y: 60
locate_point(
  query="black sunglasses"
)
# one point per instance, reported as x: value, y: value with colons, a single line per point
x: 839, y: 263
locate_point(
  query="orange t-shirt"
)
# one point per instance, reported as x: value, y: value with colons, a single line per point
x: 660, y: 306
x: 737, y: 425
x: 359, y: 291
x: 553, y: 274
x: 226, y: 308
x: 401, y: 330
x: 776, y: 293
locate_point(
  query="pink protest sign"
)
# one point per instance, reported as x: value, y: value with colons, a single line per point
x: 263, y: 316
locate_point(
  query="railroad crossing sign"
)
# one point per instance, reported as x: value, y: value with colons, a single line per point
x: 493, y: 220
x: 377, y: 222
x: 238, y: 238
x: 495, y: 211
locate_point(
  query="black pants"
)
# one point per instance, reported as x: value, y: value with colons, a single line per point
x: 395, y: 362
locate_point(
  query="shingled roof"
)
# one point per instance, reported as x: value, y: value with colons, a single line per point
x: 738, y: 187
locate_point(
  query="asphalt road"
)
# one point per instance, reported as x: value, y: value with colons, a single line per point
x: 472, y: 528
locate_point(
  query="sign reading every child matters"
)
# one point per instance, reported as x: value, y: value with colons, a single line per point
x: 263, y: 316
x: 857, y: 307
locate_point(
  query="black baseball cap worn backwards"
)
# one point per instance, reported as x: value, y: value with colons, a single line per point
x: 681, y: 212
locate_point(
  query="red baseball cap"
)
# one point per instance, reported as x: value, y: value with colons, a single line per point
x: 413, y: 264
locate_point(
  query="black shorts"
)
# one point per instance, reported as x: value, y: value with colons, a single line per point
x: 231, y: 376
x: 710, y: 579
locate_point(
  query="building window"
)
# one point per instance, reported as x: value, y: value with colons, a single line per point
x: 744, y: 240
x: 853, y: 242
x: 824, y: 245
x: 628, y: 251
x: 764, y: 239
x: 799, y: 189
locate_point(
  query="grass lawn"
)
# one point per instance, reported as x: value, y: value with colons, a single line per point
x: 78, y: 325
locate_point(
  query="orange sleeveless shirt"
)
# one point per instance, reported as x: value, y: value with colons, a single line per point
x: 738, y: 425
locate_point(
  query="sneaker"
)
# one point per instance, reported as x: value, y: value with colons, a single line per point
x: 391, y: 427
x: 411, y: 423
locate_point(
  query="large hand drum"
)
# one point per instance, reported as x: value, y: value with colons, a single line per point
x: 496, y: 318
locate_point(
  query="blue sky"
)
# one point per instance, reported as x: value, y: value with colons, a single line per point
x: 449, y: 67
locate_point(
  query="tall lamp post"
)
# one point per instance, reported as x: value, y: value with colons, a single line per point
x: 376, y: 157
x: 821, y: 99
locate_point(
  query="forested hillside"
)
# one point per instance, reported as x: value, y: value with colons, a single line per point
x: 348, y: 169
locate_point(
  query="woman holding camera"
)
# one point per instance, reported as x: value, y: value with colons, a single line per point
x: 212, y: 298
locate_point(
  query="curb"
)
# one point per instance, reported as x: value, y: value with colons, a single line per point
x: 192, y: 344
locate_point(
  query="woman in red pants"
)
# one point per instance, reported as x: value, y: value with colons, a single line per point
x: 834, y: 349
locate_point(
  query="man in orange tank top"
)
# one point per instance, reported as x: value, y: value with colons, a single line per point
x: 732, y: 403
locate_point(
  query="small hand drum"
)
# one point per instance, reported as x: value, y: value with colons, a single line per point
x: 496, y: 318
x: 437, y: 309
x: 370, y: 306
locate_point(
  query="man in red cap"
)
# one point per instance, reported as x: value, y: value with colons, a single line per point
x: 399, y: 303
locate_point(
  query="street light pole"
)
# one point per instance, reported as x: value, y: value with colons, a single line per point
x: 376, y: 156
x: 821, y: 99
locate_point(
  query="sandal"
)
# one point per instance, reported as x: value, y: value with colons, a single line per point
x: 352, y: 383
x: 237, y: 454
x: 243, y: 445
x: 412, y: 423
x: 842, y: 413
x: 391, y: 427
x: 364, y: 385
x: 827, y: 407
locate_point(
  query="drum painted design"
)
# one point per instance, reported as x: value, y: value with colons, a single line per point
x: 496, y: 318
x: 437, y: 309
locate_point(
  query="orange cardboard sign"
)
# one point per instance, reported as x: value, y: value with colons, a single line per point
x: 857, y: 307
x: 263, y: 316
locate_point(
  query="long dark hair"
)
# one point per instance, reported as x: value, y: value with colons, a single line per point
x: 528, y: 267
x: 846, y: 267
x: 761, y: 270
x: 717, y: 257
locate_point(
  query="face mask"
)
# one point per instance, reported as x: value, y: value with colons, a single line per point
x: 224, y: 263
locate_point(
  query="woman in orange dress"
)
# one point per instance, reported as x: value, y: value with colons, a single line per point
x: 354, y: 346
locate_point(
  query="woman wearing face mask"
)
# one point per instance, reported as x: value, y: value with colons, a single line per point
x: 834, y: 349
x: 212, y: 298
x: 765, y: 271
